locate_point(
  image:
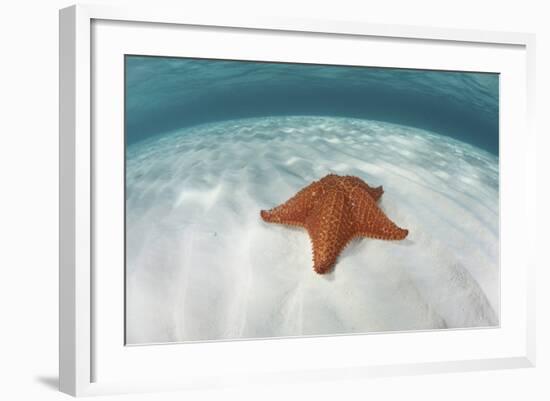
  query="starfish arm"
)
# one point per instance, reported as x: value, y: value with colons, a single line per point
x: 295, y: 210
x: 372, y: 222
x: 330, y: 228
x: 376, y: 192
x: 354, y: 183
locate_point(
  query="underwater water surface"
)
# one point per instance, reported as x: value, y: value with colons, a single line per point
x: 210, y: 143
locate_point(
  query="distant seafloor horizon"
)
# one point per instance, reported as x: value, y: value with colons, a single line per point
x: 169, y: 93
x: 210, y: 143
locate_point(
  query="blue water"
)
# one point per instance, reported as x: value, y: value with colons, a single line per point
x: 164, y: 94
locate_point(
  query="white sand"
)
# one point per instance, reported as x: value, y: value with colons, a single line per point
x: 202, y: 265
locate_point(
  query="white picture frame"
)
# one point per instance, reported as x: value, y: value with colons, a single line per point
x: 92, y: 352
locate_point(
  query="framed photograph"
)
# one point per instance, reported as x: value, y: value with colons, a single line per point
x: 274, y: 200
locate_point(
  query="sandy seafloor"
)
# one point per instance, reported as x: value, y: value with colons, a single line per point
x: 202, y: 265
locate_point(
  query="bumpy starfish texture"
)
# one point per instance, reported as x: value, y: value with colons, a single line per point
x: 335, y: 210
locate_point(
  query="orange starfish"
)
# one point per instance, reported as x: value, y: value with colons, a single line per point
x: 334, y: 210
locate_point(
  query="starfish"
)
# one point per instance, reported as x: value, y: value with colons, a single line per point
x: 335, y: 210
